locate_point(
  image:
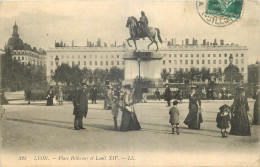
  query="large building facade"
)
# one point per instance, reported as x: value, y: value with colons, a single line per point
x: 23, y: 52
x: 175, y: 57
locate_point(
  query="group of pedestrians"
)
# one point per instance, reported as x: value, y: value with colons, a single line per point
x: 236, y: 115
x: 51, y: 96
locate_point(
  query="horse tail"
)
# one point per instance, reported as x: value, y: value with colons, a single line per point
x: 158, y: 34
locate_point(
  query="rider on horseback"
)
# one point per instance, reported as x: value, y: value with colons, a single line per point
x: 143, y: 23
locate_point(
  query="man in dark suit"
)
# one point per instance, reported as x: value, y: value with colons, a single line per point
x: 80, y: 102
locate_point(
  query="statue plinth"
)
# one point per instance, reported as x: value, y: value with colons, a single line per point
x: 149, y: 64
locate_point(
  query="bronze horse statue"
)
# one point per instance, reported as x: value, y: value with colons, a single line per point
x: 136, y: 32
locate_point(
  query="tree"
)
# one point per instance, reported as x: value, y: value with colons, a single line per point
x: 253, y: 70
x: 205, y: 74
x: 63, y: 74
x: 165, y: 75
x: 179, y: 76
x: 231, y: 73
x: 116, y: 74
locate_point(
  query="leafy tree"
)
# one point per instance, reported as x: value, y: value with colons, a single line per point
x: 253, y: 70
x: 165, y: 75
x: 63, y: 74
x: 116, y: 74
x: 231, y: 73
x: 205, y: 74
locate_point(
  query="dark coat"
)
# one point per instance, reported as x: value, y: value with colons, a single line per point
x: 167, y: 94
x: 194, y: 117
x: 94, y: 93
x: 83, y: 103
x: 174, y: 115
x: 80, y: 102
x: 50, y: 96
x: 239, y: 122
x: 222, y: 121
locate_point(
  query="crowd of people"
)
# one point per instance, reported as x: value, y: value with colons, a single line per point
x: 122, y: 98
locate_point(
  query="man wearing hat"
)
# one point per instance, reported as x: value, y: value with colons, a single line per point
x: 194, y: 117
x: 167, y: 95
x: 80, y: 102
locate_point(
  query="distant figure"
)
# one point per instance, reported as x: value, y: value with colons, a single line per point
x: 28, y: 95
x: 2, y: 96
x: 108, y: 98
x: 115, y: 108
x: 167, y: 95
x: 179, y: 96
x: 223, y: 119
x: 157, y: 95
x: 239, y: 122
x: 50, y: 96
x: 94, y: 95
x: 174, y: 117
x: 204, y: 93
x: 60, y: 96
x: 144, y: 95
x: 129, y: 118
x: 194, y: 117
x: 256, y: 96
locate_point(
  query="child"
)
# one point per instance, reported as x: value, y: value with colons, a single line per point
x: 174, y: 117
x: 223, y: 119
x: 115, y: 107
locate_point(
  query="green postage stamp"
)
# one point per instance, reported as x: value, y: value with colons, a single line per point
x: 226, y: 8
x: 220, y: 13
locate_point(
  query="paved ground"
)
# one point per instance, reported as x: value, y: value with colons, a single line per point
x: 36, y: 129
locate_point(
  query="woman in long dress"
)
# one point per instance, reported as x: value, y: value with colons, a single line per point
x: 60, y: 96
x: 129, y: 118
x: 239, y: 122
x: 194, y: 117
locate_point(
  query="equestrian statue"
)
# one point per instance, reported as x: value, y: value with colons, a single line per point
x: 140, y: 29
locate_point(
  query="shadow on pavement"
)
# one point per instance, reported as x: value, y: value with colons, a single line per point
x: 32, y: 104
x: 99, y: 126
x: 40, y: 123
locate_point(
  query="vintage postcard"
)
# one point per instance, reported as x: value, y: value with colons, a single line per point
x: 129, y: 83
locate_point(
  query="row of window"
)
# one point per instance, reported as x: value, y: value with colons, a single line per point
x: 187, y: 69
x: 94, y: 63
x: 30, y: 59
x: 203, y: 55
x: 79, y: 56
x: 202, y: 62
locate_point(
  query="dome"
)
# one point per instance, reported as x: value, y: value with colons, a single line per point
x: 15, y: 43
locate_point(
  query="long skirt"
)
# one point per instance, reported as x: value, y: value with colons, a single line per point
x: 240, y: 124
x: 193, y: 119
x: 129, y: 121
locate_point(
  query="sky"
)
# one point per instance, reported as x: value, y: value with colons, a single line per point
x: 41, y: 23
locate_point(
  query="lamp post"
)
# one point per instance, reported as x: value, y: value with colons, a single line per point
x: 57, y: 61
x: 28, y: 90
x: 231, y: 71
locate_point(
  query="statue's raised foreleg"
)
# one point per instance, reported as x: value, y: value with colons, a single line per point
x: 129, y: 40
x: 135, y: 44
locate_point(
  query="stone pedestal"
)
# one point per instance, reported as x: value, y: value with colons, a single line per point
x: 150, y: 66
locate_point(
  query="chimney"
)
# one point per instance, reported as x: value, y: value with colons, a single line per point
x: 222, y: 42
x: 72, y: 43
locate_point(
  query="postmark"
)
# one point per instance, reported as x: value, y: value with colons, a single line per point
x: 220, y: 13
